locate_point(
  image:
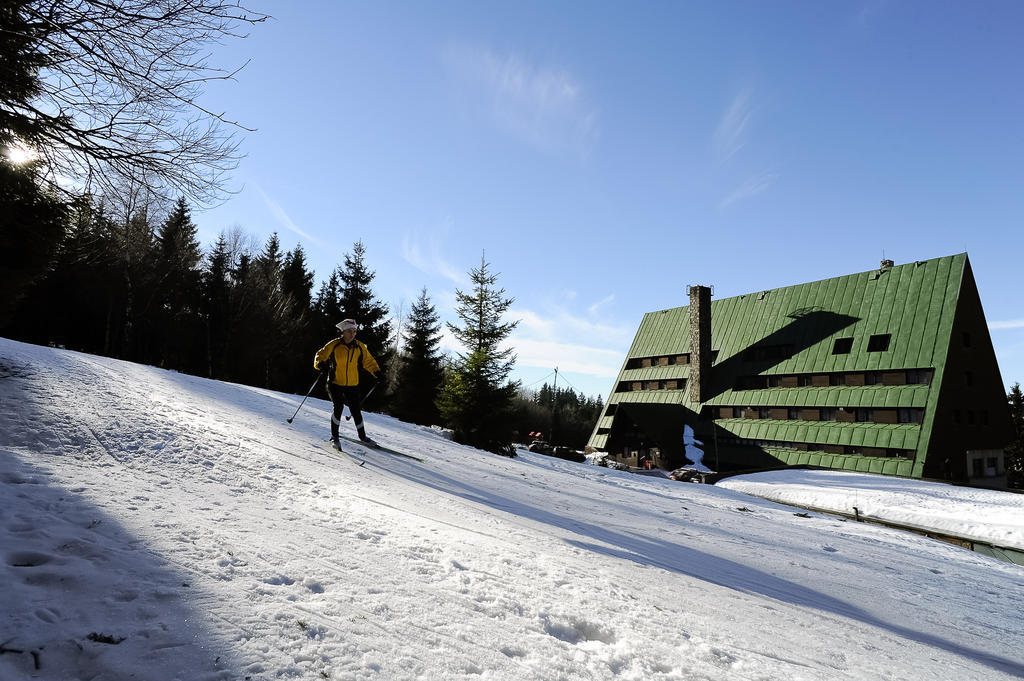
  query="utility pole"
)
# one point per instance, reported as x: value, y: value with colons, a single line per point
x: 554, y: 407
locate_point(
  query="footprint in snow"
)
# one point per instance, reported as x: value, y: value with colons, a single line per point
x: 280, y: 580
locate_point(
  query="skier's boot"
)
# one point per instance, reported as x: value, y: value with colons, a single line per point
x: 368, y: 441
x: 335, y: 443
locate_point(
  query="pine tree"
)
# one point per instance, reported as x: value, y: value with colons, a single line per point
x: 297, y: 282
x: 1015, y: 452
x: 476, y: 398
x: 327, y: 306
x: 420, y: 374
x: 297, y: 288
x: 178, y: 291
x: 216, y: 301
x: 357, y: 301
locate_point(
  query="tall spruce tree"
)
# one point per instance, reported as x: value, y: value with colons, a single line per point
x: 419, y: 373
x: 327, y: 306
x: 357, y: 301
x: 297, y: 288
x: 178, y: 291
x: 476, y: 397
x: 216, y: 301
x: 1015, y: 452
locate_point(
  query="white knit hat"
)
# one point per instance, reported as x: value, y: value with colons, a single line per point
x: 347, y: 324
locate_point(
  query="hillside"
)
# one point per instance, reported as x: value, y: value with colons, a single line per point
x: 160, y: 526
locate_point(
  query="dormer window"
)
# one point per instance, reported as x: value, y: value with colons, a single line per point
x: 879, y: 342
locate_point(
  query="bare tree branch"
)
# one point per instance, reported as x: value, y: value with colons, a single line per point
x: 119, y: 88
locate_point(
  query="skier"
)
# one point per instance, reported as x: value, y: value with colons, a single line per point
x: 340, y: 361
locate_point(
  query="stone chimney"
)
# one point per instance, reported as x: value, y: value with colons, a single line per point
x: 700, y: 342
x: 886, y: 266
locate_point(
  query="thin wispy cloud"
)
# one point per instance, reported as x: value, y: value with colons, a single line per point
x: 573, y: 357
x: 733, y: 128
x: 544, y: 106
x: 552, y: 338
x: 596, y: 307
x: 426, y: 253
x: 753, y: 186
x: 1007, y: 324
x: 282, y: 219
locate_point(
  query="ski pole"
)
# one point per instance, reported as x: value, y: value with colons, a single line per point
x: 304, y: 399
x: 348, y: 417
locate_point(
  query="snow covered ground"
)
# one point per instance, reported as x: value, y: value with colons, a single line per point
x: 982, y: 515
x: 159, y: 526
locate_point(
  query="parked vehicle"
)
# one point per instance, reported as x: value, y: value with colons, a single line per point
x: 540, y: 447
x: 687, y: 475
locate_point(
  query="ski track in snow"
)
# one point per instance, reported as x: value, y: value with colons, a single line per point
x: 195, y: 535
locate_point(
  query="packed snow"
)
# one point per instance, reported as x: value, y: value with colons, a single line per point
x: 981, y: 515
x: 159, y: 526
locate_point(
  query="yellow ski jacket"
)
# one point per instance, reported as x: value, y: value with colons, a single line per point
x: 344, y: 361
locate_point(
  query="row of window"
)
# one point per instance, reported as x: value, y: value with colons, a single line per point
x: 663, y: 360
x: 826, y: 449
x: 665, y: 384
x: 853, y: 378
x: 840, y: 414
x: 878, y: 342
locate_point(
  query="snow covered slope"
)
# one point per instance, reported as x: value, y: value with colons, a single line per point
x: 159, y: 526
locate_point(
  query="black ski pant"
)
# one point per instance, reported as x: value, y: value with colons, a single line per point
x: 342, y: 395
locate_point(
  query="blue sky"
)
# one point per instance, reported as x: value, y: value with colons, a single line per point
x: 607, y: 155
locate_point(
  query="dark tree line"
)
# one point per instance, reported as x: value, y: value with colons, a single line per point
x: 103, y: 99
x: 565, y: 417
x: 147, y: 292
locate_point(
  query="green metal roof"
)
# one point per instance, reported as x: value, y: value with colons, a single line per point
x: 914, y: 304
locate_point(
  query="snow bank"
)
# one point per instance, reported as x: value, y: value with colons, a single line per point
x: 989, y: 516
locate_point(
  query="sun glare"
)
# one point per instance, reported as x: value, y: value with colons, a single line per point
x: 19, y: 154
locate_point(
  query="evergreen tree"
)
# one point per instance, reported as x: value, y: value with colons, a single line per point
x: 297, y: 283
x: 178, y: 291
x: 32, y: 222
x: 357, y: 301
x: 1015, y: 452
x: 419, y: 374
x: 476, y: 397
x: 297, y: 288
x: 134, y: 238
x: 216, y: 301
x: 328, y: 307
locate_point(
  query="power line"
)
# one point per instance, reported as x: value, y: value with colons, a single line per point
x: 539, y: 380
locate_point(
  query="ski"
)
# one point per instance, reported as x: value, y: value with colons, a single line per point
x: 347, y: 455
x: 382, y: 448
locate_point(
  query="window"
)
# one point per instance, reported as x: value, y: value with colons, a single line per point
x: 911, y: 415
x: 919, y: 376
x: 879, y: 342
x: 978, y: 467
x: 842, y: 346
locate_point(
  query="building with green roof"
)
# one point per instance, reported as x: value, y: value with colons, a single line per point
x: 889, y: 371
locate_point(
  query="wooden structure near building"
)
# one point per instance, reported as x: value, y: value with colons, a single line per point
x: 888, y: 371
